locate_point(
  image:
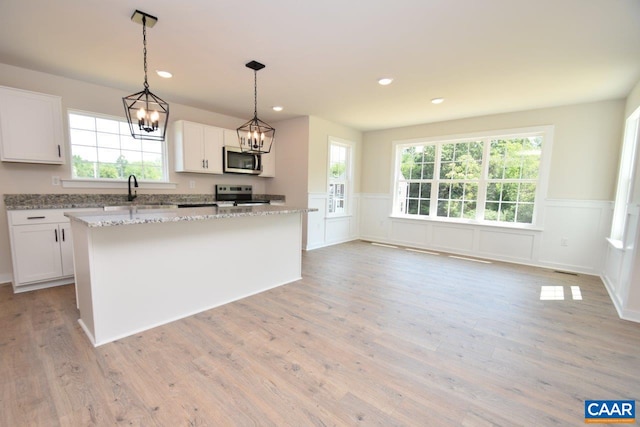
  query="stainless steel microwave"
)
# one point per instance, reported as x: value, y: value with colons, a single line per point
x: 236, y: 161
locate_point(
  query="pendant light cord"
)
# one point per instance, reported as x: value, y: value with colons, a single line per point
x: 144, y: 50
x: 255, y: 94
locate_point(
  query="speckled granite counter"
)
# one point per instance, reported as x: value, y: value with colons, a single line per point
x: 68, y: 201
x: 101, y: 218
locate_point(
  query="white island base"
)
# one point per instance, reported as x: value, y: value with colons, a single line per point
x: 133, y: 277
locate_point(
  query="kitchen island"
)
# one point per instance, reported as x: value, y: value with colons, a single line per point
x: 138, y: 269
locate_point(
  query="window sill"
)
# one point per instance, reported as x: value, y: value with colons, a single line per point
x: 338, y: 216
x: 99, y: 183
x: 513, y: 226
x: 616, y: 244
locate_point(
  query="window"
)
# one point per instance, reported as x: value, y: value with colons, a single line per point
x: 339, y: 176
x: 103, y: 148
x: 625, y: 175
x: 492, y: 178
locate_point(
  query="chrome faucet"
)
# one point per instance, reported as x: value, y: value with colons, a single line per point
x: 130, y: 197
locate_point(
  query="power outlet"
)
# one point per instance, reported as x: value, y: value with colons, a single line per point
x: 192, y: 184
x: 564, y: 241
x: 55, y: 180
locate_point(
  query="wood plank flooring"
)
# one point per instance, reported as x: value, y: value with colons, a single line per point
x: 371, y: 336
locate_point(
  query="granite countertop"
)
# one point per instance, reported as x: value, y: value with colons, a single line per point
x: 131, y: 216
x: 70, y: 201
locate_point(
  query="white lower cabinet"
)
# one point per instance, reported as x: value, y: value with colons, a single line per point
x: 41, y: 248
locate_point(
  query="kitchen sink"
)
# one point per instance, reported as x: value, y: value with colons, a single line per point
x: 135, y: 206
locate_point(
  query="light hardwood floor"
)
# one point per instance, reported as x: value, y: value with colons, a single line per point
x: 370, y: 336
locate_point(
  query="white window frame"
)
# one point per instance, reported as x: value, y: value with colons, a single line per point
x: 348, y: 181
x: 541, y: 189
x: 83, y: 182
x: 626, y: 175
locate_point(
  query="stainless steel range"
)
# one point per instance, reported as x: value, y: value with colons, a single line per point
x: 237, y: 195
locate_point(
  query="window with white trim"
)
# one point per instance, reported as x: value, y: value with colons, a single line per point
x: 102, y: 148
x: 625, y: 175
x: 339, y: 177
x: 492, y: 178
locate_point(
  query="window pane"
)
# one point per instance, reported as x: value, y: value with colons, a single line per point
x: 525, y: 213
x: 430, y: 154
x: 77, y: 121
x: 414, y: 189
x: 424, y: 207
x: 108, y: 140
x: 443, y: 208
x: 82, y: 137
x: 447, y: 152
x: 493, y: 191
x: 83, y: 168
x: 507, y: 212
x: 491, y: 211
x: 107, y: 126
x: 457, y: 191
x: 108, y: 170
x: 427, y: 171
x: 425, y: 191
x: 85, y: 153
x: 412, y: 207
x: 443, y: 191
x: 469, y: 210
x: 527, y: 193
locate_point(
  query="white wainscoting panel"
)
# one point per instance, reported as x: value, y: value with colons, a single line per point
x: 375, y: 223
x: 315, y: 220
x: 575, y: 234
x: 582, y: 225
x: 513, y: 245
x: 325, y: 231
x: 409, y: 233
x: 453, y: 238
x: 621, y: 273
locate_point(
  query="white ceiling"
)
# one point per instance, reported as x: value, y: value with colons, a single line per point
x: 324, y: 58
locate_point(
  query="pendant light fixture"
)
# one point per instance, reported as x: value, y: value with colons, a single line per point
x: 147, y: 113
x: 256, y: 136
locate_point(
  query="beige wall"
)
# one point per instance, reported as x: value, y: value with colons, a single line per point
x: 33, y: 178
x: 319, y: 132
x: 585, y: 154
x: 292, y: 150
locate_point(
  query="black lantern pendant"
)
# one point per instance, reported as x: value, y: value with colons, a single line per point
x: 256, y: 136
x: 147, y: 113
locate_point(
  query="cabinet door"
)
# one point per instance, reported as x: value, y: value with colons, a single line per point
x: 30, y: 127
x: 231, y: 138
x: 269, y: 163
x: 66, y: 249
x: 36, y: 252
x: 213, y: 141
x: 193, y: 146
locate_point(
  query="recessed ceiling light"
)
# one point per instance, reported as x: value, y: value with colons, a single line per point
x: 164, y: 74
x: 385, y: 81
x: 437, y: 100
x: 277, y: 108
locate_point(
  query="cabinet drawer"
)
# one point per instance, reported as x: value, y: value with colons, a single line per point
x: 37, y: 216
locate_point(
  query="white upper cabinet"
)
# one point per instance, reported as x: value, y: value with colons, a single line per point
x: 269, y: 163
x: 30, y: 127
x: 198, y: 147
